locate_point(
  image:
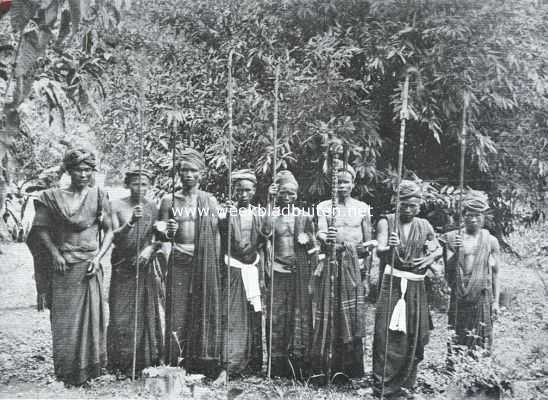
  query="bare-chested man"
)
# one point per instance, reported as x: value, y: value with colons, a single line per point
x: 242, y: 340
x: 133, y: 220
x: 352, y: 234
x: 295, y: 258
x: 193, y: 309
x: 403, y: 308
x: 472, y: 273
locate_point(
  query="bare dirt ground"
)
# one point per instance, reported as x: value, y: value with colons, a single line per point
x: 520, y: 353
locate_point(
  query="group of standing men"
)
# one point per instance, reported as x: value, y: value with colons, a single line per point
x: 210, y: 278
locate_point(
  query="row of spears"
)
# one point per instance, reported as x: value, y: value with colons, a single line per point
x: 332, y: 158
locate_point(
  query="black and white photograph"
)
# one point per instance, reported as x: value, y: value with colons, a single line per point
x: 274, y: 199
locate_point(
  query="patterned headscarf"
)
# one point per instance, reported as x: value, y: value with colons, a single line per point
x: 192, y: 157
x: 410, y: 189
x: 136, y: 172
x: 243, y: 174
x: 476, y: 201
x: 75, y: 157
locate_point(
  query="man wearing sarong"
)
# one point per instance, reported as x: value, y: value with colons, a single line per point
x: 405, y: 312
x: 295, y: 258
x: 351, y: 234
x: 70, y: 221
x: 242, y: 339
x: 193, y: 298
x: 133, y: 220
x: 472, y: 273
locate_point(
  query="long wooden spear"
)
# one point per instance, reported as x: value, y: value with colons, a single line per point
x: 404, y: 115
x: 138, y: 230
x: 230, y: 95
x: 274, y: 164
x: 461, y: 196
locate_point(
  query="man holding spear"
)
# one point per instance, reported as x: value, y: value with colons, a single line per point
x: 193, y: 310
x: 339, y: 295
x: 406, y: 247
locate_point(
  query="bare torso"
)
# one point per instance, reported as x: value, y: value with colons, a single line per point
x: 469, y: 245
x: 284, y: 226
x: 246, y: 223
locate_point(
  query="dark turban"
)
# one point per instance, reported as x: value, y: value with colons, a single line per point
x: 134, y: 173
x: 285, y: 177
x: 475, y: 201
x: 410, y: 189
x: 75, y: 157
x: 193, y: 157
x: 243, y: 175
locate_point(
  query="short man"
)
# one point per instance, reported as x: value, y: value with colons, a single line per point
x: 406, y: 316
x: 133, y: 219
x: 68, y: 221
x: 242, y: 339
x: 295, y: 258
x: 472, y: 273
x: 193, y: 309
x: 350, y: 233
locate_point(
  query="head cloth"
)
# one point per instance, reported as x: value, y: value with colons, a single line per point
x: 410, y: 189
x: 75, y: 157
x: 476, y: 201
x: 285, y: 177
x: 243, y: 175
x: 192, y: 157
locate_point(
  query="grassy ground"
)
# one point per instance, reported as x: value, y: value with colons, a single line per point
x: 520, y: 353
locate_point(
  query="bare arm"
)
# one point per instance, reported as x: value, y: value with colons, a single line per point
x: 495, y: 254
x: 382, y: 236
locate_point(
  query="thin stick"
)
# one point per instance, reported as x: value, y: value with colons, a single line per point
x: 274, y: 164
x: 403, y: 117
x: 138, y: 228
x: 229, y: 220
x: 461, y: 198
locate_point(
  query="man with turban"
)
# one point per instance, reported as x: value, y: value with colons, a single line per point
x: 69, y: 221
x: 413, y: 247
x: 295, y: 258
x: 193, y: 306
x: 349, y: 230
x: 133, y: 221
x: 472, y: 273
x: 242, y: 339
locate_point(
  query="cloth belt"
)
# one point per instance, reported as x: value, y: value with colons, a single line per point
x: 398, y: 321
x: 250, y: 279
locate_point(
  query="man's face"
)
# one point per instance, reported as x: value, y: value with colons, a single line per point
x: 345, y: 184
x: 287, y: 195
x: 245, y: 191
x: 138, y: 188
x: 409, y: 208
x: 473, y: 221
x: 80, y: 176
x: 190, y: 175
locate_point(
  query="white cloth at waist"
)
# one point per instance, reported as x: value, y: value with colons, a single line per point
x: 398, y: 321
x: 250, y: 279
x: 398, y: 273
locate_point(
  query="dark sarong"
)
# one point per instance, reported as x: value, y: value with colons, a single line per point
x: 470, y: 307
x: 195, y: 309
x: 405, y: 350
x: 242, y: 352
x: 348, y: 318
x: 77, y: 302
x: 150, y: 301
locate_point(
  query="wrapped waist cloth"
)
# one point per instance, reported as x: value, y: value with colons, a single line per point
x: 250, y: 279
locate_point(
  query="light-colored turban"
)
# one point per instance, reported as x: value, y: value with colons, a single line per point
x: 476, y: 201
x: 244, y: 175
x: 410, y: 189
x: 286, y: 177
